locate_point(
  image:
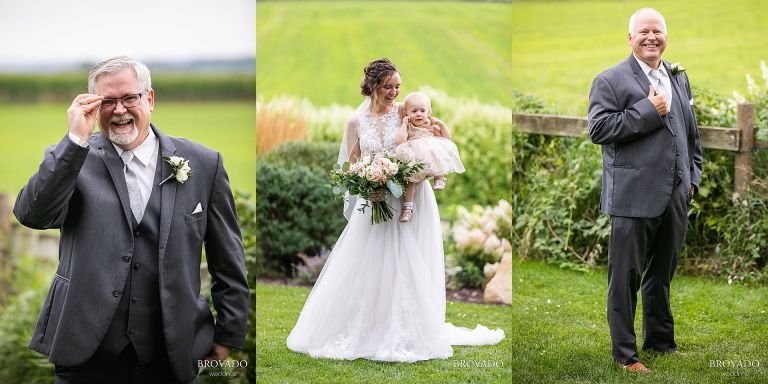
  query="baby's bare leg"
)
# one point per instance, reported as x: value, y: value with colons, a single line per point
x: 410, y: 192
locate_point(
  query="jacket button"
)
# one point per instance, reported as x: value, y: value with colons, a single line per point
x: 137, y: 233
x: 126, y: 258
x: 116, y: 293
x: 134, y: 299
x: 131, y: 331
x: 136, y: 266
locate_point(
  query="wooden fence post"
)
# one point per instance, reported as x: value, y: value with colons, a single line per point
x: 745, y: 122
x: 5, y: 214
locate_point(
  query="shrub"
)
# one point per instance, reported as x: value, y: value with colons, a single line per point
x: 17, y: 321
x: 559, y: 219
x: 557, y: 194
x: 477, y: 238
x: 309, y: 270
x: 318, y: 157
x: 246, y: 215
x: 481, y: 131
x: 295, y: 208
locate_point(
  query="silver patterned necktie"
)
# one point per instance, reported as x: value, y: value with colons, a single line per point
x: 660, y: 87
x: 137, y: 204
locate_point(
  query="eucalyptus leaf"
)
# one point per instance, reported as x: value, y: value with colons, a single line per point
x: 395, y: 188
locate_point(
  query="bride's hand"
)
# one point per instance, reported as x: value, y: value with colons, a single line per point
x: 377, y: 196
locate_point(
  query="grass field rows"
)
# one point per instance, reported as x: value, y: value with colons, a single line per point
x: 227, y: 127
x: 460, y: 47
x: 559, y: 46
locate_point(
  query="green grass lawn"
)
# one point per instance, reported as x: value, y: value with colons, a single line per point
x: 278, y: 308
x: 318, y: 49
x: 559, y: 46
x: 227, y: 127
x: 559, y: 332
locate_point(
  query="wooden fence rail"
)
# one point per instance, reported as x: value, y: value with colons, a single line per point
x: 740, y: 140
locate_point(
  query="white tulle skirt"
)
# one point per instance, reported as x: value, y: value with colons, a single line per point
x: 381, y: 294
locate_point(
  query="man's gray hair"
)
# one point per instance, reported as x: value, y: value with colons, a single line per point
x: 644, y: 10
x: 117, y: 64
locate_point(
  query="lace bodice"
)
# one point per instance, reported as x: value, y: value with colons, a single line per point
x: 377, y: 133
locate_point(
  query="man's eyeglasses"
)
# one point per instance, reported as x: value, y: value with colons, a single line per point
x: 129, y: 101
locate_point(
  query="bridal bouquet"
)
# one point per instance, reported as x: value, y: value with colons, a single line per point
x: 375, y: 173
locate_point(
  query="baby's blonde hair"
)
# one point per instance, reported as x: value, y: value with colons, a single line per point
x: 418, y: 95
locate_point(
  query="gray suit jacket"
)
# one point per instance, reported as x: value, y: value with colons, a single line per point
x: 82, y: 192
x: 641, y: 149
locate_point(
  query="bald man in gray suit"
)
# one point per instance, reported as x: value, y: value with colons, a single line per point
x: 125, y: 304
x: 641, y: 112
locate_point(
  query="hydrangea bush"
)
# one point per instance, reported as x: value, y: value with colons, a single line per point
x: 480, y: 236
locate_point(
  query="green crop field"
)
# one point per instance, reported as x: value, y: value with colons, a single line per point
x: 317, y: 50
x: 559, y: 46
x: 227, y: 127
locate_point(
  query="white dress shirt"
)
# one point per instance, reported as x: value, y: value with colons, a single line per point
x: 144, y: 163
x: 664, y: 79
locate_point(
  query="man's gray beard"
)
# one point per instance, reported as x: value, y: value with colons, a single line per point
x: 124, y: 139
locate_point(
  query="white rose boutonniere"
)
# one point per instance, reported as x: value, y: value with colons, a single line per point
x: 180, y: 168
x: 677, y: 68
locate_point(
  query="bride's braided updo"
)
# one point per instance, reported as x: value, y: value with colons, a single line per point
x: 376, y: 73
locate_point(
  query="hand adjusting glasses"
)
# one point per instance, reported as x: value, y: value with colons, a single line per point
x: 129, y: 101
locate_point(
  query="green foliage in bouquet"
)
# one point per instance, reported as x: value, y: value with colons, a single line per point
x: 295, y: 209
x: 370, y: 174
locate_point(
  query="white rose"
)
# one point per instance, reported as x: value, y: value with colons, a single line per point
x: 183, y: 173
x: 176, y: 160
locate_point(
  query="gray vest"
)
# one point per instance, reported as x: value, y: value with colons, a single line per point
x: 138, y: 319
x: 677, y: 122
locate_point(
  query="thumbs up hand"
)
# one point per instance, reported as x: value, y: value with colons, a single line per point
x: 659, y: 101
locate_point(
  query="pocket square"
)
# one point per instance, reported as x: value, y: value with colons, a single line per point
x: 690, y: 102
x: 198, y: 208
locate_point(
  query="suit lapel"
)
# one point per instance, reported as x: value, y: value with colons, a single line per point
x: 168, y: 192
x: 640, y: 77
x: 114, y: 165
x: 679, y: 95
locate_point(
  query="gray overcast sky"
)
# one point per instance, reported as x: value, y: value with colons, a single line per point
x: 91, y: 30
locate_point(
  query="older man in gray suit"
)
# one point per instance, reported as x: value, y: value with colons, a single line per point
x: 135, y: 208
x: 641, y: 112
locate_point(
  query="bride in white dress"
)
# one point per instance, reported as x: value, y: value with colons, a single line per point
x: 381, y: 293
